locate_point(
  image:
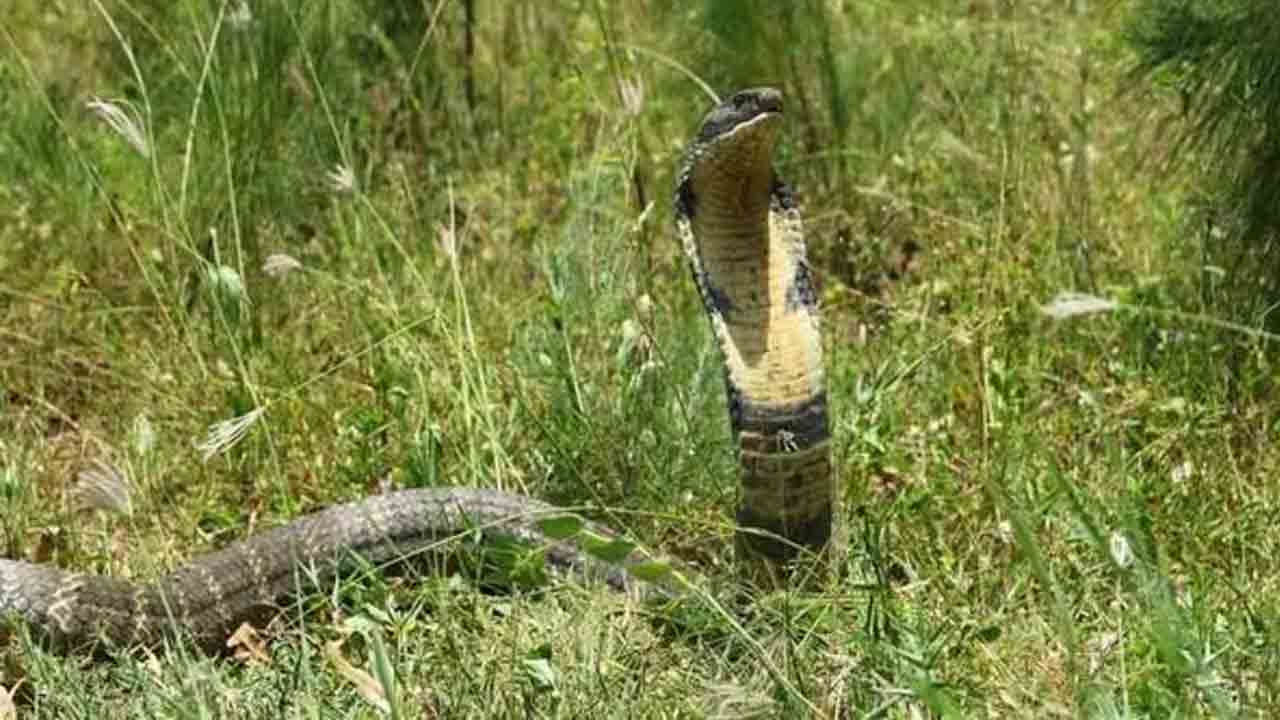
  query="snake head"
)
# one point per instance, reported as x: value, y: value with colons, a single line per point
x: 730, y: 161
x: 742, y: 111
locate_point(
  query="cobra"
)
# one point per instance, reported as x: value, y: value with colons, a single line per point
x: 742, y: 232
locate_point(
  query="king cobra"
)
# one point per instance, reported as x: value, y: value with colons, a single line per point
x: 741, y: 230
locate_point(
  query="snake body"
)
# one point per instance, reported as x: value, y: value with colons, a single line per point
x: 741, y: 231
x: 211, y: 596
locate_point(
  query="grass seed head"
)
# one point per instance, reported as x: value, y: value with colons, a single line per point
x: 127, y: 124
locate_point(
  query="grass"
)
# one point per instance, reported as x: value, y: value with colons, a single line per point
x: 1047, y: 518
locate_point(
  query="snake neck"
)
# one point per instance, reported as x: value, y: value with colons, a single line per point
x: 746, y: 244
x: 751, y: 263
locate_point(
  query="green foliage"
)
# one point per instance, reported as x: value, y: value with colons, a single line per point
x: 1218, y: 59
x: 413, y: 244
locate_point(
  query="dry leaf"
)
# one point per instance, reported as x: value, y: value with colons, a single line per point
x: 369, y: 688
x: 46, y: 540
x: 1071, y: 304
x: 8, y: 711
x: 341, y: 179
x: 247, y: 645
x: 280, y: 264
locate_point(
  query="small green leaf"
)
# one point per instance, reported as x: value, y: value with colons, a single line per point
x: 651, y: 571
x: 362, y: 623
x: 537, y: 668
x: 378, y: 614
x: 529, y: 568
x: 611, y: 551
x: 540, y: 673
x: 561, y: 527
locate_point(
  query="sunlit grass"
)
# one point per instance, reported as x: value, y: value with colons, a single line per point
x: 290, y: 264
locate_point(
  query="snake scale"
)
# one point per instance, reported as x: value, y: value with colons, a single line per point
x: 741, y: 230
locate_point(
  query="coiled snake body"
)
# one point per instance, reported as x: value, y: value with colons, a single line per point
x: 741, y: 231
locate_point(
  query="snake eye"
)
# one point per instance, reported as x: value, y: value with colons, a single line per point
x: 740, y: 100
